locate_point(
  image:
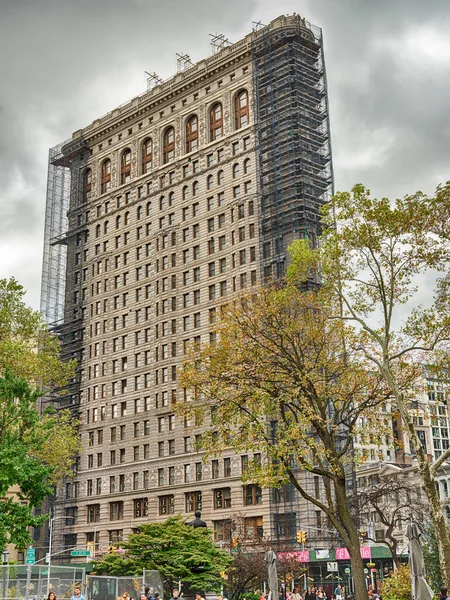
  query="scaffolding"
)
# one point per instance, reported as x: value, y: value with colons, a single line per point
x: 64, y: 275
x: 55, y: 254
x: 292, y: 133
x: 294, y: 179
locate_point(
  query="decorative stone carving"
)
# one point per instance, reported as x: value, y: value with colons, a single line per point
x: 114, y: 159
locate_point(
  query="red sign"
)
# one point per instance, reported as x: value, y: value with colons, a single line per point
x: 342, y: 553
x: 301, y: 556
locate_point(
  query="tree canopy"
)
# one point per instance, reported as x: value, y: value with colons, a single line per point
x: 27, y: 348
x: 37, y: 448
x: 374, y: 259
x: 175, y: 549
x: 30, y: 462
x: 283, y: 379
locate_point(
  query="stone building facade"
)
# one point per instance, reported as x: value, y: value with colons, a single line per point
x: 178, y: 200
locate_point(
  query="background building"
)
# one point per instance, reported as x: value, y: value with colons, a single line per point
x: 157, y: 213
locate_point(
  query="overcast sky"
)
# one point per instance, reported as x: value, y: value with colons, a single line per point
x: 65, y: 62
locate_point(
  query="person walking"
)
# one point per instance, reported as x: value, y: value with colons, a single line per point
x: 444, y: 595
x: 296, y: 594
x: 310, y: 594
x: 338, y: 592
x: 77, y: 595
x: 51, y: 596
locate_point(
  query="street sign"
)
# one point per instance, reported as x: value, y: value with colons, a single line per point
x: 332, y: 567
x: 80, y: 553
x: 31, y: 556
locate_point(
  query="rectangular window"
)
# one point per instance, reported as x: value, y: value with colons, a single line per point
x: 193, y: 502
x: 140, y: 506
x: 252, y: 495
x: 222, y: 498
x: 166, y: 505
x: 222, y: 531
x: 115, y: 511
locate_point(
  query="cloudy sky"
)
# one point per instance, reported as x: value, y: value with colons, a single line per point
x: 65, y: 62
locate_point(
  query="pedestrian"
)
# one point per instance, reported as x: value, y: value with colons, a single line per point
x: 148, y: 592
x: 296, y: 594
x: 198, y: 596
x: 444, y: 595
x: 51, y: 596
x: 77, y: 595
x: 143, y: 596
x: 126, y: 596
x: 338, y: 592
x: 175, y: 594
x: 310, y: 594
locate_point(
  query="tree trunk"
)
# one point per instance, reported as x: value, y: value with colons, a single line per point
x: 428, y: 481
x: 359, y: 578
x: 352, y: 542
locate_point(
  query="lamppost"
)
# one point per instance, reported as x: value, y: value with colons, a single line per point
x: 5, y: 561
x: 50, y: 548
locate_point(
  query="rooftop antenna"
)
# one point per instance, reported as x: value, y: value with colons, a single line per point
x: 183, y: 62
x: 257, y: 25
x: 152, y: 80
x: 218, y: 42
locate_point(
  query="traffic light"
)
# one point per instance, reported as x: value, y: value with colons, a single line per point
x: 235, y: 541
x: 301, y: 536
x: 111, y: 549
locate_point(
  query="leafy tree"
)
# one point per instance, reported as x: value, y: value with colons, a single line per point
x: 431, y: 558
x: 398, y: 585
x: 370, y: 260
x: 26, y: 346
x: 280, y: 379
x: 175, y: 549
x: 28, y: 465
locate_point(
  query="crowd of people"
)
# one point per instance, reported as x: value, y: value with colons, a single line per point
x: 311, y: 593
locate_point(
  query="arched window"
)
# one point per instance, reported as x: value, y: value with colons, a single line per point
x: 171, y: 198
x: 97, y: 231
x: 246, y: 166
x: 127, y: 218
x: 209, y: 182
x: 195, y: 188
x: 106, y: 227
x: 169, y: 145
x: 139, y: 213
x: 125, y: 166
x: 87, y: 184
x: 215, y: 122
x: 162, y: 203
x: 220, y: 178
x: 147, y: 152
x: 185, y: 192
x: 241, y: 109
x: 106, y: 176
x: 148, y: 208
x: 235, y: 170
x: 118, y: 219
x: 192, y: 133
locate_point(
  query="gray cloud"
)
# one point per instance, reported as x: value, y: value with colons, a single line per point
x: 65, y: 62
